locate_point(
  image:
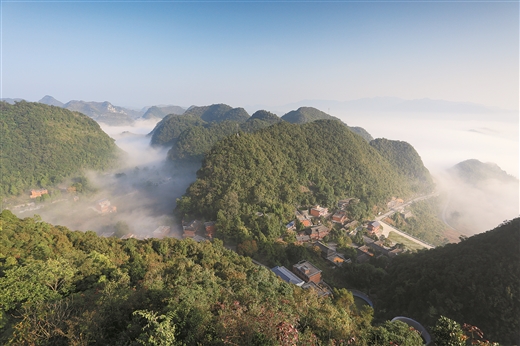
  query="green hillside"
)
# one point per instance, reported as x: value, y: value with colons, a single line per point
x: 286, y: 165
x: 309, y: 114
x: 41, y: 145
x: 194, y: 142
x: 476, y: 281
x: 306, y: 115
x: 168, y: 130
x: 59, y: 287
x: 405, y: 159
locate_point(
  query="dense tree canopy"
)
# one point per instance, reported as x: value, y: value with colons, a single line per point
x: 476, y: 281
x: 41, y: 145
x: 59, y: 287
x: 276, y: 169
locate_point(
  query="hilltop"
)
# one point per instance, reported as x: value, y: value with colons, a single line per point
x: 285, y: 165
x: 41, y: 145
x: 475, y: 172
x: 193, y: 133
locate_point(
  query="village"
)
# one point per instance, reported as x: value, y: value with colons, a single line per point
x: 312, y: 228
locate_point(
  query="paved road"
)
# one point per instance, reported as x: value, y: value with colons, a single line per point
x: 388, y: 228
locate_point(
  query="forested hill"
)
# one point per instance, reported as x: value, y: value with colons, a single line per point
x: 476, y: 281
x: 475, y: 172
x: 168, y: 130
x: 162, y: 111
x: 285, y: 165
x: 309, y: 114
x: 43, y: 144
x: 405, y: 160
x: 59, y: 287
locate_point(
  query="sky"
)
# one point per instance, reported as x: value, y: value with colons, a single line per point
x: 138, y: 53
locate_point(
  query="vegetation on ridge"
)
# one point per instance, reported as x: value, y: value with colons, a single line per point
x: 41, y: 145
x: 276, y: 169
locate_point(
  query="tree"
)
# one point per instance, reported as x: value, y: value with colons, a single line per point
x: 448, y: 333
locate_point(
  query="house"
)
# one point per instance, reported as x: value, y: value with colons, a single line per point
x: 291, y: 226
x: 128, y: 236
x: 394, y: 252
x: 363, y: 254
x: 161, y: 232
x: 325, y: 250
x: 331, y: 255
x: 303, y: 217
x: 103, y: 206
x: 318, y: 211
x: 38, y: 193
x: 191, y: 228
x: 339, y: 217
x: 210, y: 228
x: 374, y: 227
x: 317, y: 232
x: 307, y: 271
x: 287, y: 276
x: 320, y: 288
x: 378, y: 246
x: 303, y: 238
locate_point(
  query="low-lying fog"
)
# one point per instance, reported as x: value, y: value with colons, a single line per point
x: 444, y: 140
x: 144, y: 189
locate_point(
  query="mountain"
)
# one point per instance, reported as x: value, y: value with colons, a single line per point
x: 405, y: 160
x: 167, y: 131
x: 475, y: 172
x: 51, y: 101
x: 305, y: 115
x: 218, y: 113
x: 285, y: 165
x: 11, y: 101
x: 394, y: 104
x: 308, y: 114
x: 104, y: 112
x: 162, y: 111
x: 41, y: 145
x: 476, y: 281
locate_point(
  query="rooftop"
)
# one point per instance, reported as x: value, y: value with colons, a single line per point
x: 287, y: 276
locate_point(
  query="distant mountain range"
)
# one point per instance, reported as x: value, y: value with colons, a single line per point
x: 107, y: 113
x: 396, y: 105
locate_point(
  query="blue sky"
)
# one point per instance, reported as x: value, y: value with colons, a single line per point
x: 268, y: 53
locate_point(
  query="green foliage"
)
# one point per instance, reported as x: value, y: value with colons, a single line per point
x: 405, y: 159
x: 425, y: 223
x: 59, y: 287
x: 278, y: 168
x: 476, y: 281
x: 393, y: 333
x: 42, y: 145
x: 447, y: 332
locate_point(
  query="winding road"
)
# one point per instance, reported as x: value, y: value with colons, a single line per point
x: 388, y: 228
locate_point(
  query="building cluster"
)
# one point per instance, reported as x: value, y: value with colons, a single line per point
x: 305, y: 275
x: 195, y: 229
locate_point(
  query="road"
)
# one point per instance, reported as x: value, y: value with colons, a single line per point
x: 388, y: 228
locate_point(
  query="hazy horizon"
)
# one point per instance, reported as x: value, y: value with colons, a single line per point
x: 135, y: 54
